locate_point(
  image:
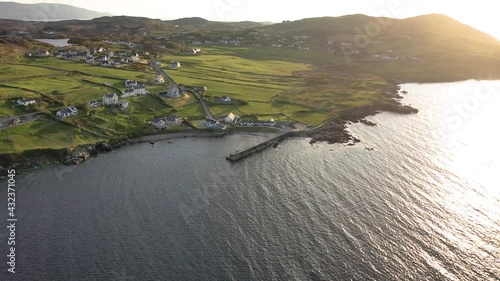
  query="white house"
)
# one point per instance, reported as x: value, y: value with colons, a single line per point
x: 67, y: 112
x: 130, y: 83
x: 226, y: 99
x: 140, y: 90
x: 25, y: 102
x: 212, y: 123
x: 175, y: 65
x: 134, y: 92
x: 158, y: 123
x: 230, y: 118
x: 110, y: 99
x: 135, y: 58
x: 159, y: 79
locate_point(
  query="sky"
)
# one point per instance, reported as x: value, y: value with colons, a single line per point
x: 480, y: 14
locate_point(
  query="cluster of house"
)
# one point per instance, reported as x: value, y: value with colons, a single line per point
x: 123, y: 43
x: 112, y: 100
x: 253, y: 38
x: 234, y: 119
x: 92, y: 56
x: 162, y: 122
x: 134, y: 90
x: 258, y: 123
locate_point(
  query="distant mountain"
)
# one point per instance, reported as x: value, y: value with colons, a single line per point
x: 427, y: 26
x: 45, y: 12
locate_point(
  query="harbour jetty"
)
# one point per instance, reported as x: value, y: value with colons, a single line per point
x: 257, y: 148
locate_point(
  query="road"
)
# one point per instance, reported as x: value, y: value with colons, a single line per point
x: 208, y: 113
x: 160, y: 71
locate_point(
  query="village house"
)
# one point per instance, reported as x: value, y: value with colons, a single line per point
x: 200, y: 89
x: 94, y: 104
x: 102, y: 58
x: 158, y: 123
x: 212, y: 123
x: 134, y: 92
x: 130, y: 83
x: 159, y: 79
x: 110, y: 99
x: 135, y: 58
x: 172, y: 120
x: 67, y: 112
x: 122, y: 104
x: 176, y: 91
x: 43, y: 53
x: 14, y: 122
x: 175, y: 65
x: 230, y: 118
x: 258, y: 123
x: 26, y: 102
x: 226, y: 99
x: 122, y: 53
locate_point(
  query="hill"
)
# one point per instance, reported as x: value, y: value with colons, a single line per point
x: 45, y: 12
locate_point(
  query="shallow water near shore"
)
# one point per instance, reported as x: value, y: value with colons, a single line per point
x: 423, y: 205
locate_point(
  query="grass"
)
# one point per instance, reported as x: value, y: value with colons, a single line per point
x: 9, y: 108
x: 10, y: 93
x: 269, y: 84
x: 42, y: 134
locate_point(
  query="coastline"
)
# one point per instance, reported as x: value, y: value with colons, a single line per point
x: 334, y: 130
x: 33, y: 160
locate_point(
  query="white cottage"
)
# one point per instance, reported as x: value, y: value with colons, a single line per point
x: 67, y: 112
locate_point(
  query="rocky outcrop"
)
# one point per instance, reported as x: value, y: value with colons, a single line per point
x: 77, y: 158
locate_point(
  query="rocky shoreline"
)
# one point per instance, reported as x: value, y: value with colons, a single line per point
x: 35, y: 159
x: 335, y: 130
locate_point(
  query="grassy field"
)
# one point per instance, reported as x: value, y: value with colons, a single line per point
x: 268, y: 84
x: 42, y: 134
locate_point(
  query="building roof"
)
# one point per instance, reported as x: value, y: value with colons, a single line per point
x: 157, y: 120
x: 27, y: 100
x: 172, y: 118
x: 110, y: 96
x: 65, y: 111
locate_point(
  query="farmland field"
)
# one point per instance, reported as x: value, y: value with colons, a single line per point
x: 265, y: 84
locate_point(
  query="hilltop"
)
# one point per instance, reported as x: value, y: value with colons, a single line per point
x: 45, y: 12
